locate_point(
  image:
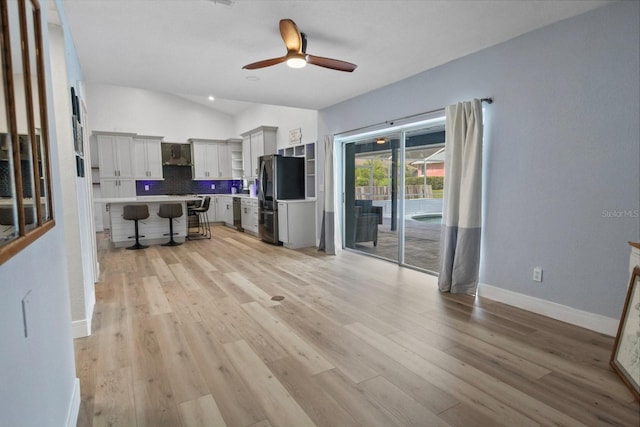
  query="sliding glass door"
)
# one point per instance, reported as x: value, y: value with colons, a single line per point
x: 372, y: 182
x: 393, y: 194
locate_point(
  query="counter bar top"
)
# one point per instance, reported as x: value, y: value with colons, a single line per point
x: 146, y: 199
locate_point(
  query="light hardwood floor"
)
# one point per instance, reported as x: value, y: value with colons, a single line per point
x: 189, y: 336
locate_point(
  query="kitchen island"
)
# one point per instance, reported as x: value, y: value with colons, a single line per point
x: 154, y: 229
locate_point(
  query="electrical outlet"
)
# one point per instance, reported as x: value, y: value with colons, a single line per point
x: 146, y: 187
x: 213, y: 186
x: 537, y: 274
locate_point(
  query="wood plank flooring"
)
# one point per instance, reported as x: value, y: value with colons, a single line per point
x: 189, y: 336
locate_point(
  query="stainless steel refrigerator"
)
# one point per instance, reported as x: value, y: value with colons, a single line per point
x: 280, y: 178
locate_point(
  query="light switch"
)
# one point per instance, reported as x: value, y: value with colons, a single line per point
x: 213, y: 186
x: 146, y: 187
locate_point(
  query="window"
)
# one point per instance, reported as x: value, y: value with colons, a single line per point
x: 26, y: 210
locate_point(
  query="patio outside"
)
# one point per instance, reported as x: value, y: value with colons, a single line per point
x: 424, y: 174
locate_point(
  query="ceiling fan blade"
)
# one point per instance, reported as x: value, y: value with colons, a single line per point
x: 265, y: 63
x: 291, y: 35
x: 334, y: 64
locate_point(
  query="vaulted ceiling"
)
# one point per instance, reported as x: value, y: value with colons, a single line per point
x: 196, y: 48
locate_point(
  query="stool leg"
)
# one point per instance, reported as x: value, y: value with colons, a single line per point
x: 171, y: 242
x: 137, y: 245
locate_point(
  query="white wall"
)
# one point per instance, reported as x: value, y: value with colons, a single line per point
x: 122, y: 109
x: 37, y: 373
x: 79, y: 233
x: 561, y: 149
x: 285, y: 118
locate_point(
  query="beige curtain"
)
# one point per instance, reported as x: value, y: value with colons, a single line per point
x: 330, y: 241
x: 462, y: 216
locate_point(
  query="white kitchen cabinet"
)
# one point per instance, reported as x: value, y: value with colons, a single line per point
x: 115, y: 155
x: 224, y: 210
x: 110, y: 188
x: 147, y: 155
x: 205, y: 155
x: 212, y: 158
x: 256, y: 143
x: 297, y: 223
x: 249, y: 215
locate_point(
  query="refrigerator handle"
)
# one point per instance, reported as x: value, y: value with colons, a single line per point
x: 262, y: 182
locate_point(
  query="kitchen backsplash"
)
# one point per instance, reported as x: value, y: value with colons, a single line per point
x: 177, y: 180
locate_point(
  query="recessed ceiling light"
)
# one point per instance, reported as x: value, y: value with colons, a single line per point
x: 211, y: 98
x: 253, y: 78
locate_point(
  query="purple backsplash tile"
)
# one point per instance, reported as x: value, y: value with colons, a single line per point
x: 177, y: 180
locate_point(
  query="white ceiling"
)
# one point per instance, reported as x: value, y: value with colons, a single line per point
x: 196, y: 48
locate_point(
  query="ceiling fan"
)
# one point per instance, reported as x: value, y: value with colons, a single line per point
x: 297, y: 56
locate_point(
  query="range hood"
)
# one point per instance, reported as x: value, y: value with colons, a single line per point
x: 176, y: 154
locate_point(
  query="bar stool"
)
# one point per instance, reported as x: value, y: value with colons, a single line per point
x: 170, y: 210
x: 135, y: 213
x: 203, y: 218
x: 193, y: 220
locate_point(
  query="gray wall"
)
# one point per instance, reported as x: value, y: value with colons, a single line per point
x: 561, y: 152
x: 37, y: 373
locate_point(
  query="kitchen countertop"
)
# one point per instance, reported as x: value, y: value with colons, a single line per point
x: 146, y: 199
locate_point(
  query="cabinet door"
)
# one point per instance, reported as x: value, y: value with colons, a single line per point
x: 229, y: 212
x: 127, y: 188
x: 205, y: 160
x: 219, y: 208
x: 199, y: 160
x: 124, y: 156
x: 107, y: 156
x: 246, y: 156
x: 283, y: 221
x: 140, y: 169
x: 257, y: 150
x: 154, y: 158
x: 109, y: 188
x: 224, y: 161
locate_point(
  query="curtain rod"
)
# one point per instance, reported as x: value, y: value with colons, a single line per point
x: 488, y: 100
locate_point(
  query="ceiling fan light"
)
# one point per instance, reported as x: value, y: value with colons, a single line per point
x: 296, y: 62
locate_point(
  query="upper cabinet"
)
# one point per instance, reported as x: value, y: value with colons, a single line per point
x: 215, y: 159
x: 116, y: 154
x: 256, y: 143
x: 147, y: 157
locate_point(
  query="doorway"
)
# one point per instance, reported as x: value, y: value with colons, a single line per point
x: 392, y: 205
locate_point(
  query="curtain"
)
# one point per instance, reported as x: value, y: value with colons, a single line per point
x: 329, y: 237
x: 461, y: 213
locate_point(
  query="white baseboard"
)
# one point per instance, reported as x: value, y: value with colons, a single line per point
x: 82, y: 328
x: 595, y: 322
x: 74, y: 405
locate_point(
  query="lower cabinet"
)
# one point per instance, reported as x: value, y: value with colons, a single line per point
x: 152, y: 230
x: 249, y: 215
x: 110, y: 188
x: 224, y: 210
x: 297, y: 223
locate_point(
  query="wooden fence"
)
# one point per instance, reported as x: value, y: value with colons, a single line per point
x: 382, y: 193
